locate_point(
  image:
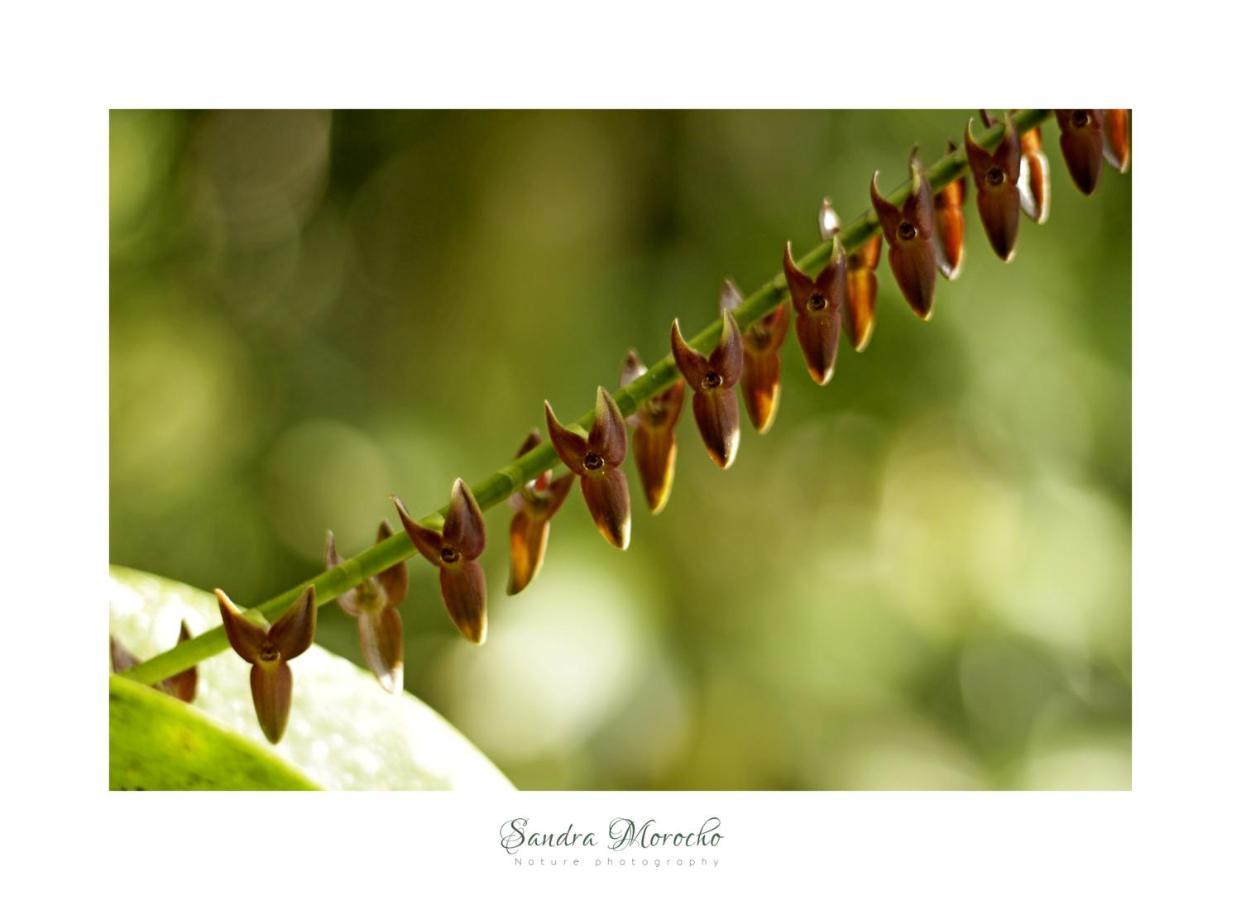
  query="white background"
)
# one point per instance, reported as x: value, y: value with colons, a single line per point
x: 62, y: 66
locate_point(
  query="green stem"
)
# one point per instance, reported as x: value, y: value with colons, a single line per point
x: 498, y: 486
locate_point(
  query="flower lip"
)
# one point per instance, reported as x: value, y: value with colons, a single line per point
x: 1081, y: 118
x: 712, y: 380
x: 907, y: 231
x: 817, y: 301
x: 450, y: 554
x: 592, y: 461
x: 995, y: 176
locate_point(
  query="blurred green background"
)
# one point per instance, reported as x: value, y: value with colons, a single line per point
x: 919, y: 579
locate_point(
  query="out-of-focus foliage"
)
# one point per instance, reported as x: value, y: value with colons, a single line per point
x: 345, y: 732
x: 157, y: 743
x: 918, y: 579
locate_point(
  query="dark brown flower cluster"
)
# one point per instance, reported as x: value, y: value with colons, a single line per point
x: 925, y: 234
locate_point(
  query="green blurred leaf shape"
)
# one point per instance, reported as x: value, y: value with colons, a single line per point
x: 157, y: 743
x: 345, y: 731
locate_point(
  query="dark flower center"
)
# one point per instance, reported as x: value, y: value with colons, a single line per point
x: 712, y: 380
x: 268, y: 652
x: 995, y: 176
x: 450, y: 554
x: 592, y: 461
x: 817, y: 301
x: 1081, y: 118
x: 907, y: 231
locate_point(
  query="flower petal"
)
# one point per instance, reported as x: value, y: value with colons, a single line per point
x: 728, y: 358
x: 294, y: 631
x: 464, y: 589
x: 527, y: 543
x: 607, y: 498
x: 246, y: 637
x: 632, y: 369
x: 554, y: 496
x: 122, y: 659
x: 919, y: 206
x: 533, y: 439
x: 428, y: 541
x: 801, y: 285
x: 860, y: 310
x: 730, y: 295
x: 889, y: 214
x: 1116, y: 138
x: 760, y: 387
x: 394, y: 580
x: 718, y: 420
x: 183, y: 685
x: 463, y: 526
x: 663, y: 410
x: 1034, y: 178
x: 950, y: 225
x: 914, y: 267
x: 383, y: 646
x: 692, y: 365
x: 570, y: 446
x: 272, y: 689
x: 819, y: 336
x: 655, y: 455
x: 1081, y: 142
x: 608, y: 436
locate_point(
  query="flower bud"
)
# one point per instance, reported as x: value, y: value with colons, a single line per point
x: 995, y: 181
x: 819, y: 303
x: 712, y: 379
x: 654, y: 435
x: 829, y: 221
x: 269, y: 650
x: 454, y: 552
x: 534, y: 504
x: 909, y: 231
x: 1034, y: 179
x: 863, y: 292
x: 1116, y: 138
x: 596, y: 460
x: 760, y: 369
x: 950, y: 226
x: 183, y: 685
x: 1081, y: 142
x: 373, y: 604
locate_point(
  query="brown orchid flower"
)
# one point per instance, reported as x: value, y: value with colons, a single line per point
x: 950, y: 226
x: 454, y: 552
x: 1034, y: 179
x: 596, y: 460
x: 760, y: 370
x: 183, y: 685
x: 268, y: 650
x: 534, y: 504
x: 909, y: 231
x: 373, y: 603
x: 654, y: 435
x: 996, y: 174
x: 1081, y: 141
x: 819, y: 303
x: 712, y: 379
x: 863, y: 292
x: 1116, y: 138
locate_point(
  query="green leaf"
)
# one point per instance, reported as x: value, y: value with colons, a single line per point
x: 157, y: 743
x: 345, y: 731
